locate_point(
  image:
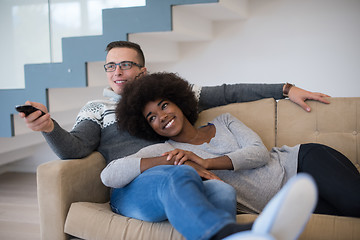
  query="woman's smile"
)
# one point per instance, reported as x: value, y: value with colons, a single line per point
x: 169, y: 124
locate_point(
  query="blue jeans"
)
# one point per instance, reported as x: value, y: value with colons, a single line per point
x: 197, y: 209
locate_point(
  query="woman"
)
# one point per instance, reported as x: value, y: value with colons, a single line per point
x: 163, y: 106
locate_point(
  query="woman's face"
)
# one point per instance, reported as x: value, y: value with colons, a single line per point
x: 165, y: 117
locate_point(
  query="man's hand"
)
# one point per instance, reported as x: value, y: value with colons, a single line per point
x: 202, y: 171
x: 37, y: 123
x: 299, y: 96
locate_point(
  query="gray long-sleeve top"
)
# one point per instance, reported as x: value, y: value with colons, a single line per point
x: 96, y: 129
x: 257, y: 176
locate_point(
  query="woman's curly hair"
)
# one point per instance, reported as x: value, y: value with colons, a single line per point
x: 136, y: 94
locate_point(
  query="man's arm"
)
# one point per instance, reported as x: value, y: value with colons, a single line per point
x: 234, y: 93
x: 79, y: 143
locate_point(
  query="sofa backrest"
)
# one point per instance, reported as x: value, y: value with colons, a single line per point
x: 258, y: 115
x: 336, y: 124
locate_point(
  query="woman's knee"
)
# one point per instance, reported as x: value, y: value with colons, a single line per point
x: 220, y: 191
x: 221, y: 195
x: 220, y: 188
x: 184, y: 172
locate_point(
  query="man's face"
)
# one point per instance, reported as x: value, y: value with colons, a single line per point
x: 119, y: 77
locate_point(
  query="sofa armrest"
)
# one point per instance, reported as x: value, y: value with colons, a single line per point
x: 62, y: 182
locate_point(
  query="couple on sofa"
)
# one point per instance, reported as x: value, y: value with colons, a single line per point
x: 96, y: 127
x: 154, y: 184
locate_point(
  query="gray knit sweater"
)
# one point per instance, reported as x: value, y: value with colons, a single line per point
x: 257, y: 176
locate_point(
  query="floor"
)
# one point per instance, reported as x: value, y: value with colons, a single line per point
x: 19, y: 213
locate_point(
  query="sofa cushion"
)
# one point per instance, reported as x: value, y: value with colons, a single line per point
x: 96, y: 221
x: 331, y: 124
x: 258, y: 115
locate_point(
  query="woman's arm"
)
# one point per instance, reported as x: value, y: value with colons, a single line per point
x: 237, y: 147
x: 122, y: 171
x: 118, y: 173
x: 146, y: 163
x: 203, y: 172
x: 180, y: 156
x: 251, y: 152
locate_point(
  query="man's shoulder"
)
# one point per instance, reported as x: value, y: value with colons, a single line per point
x: 100, y: 111
x: 98, y: 106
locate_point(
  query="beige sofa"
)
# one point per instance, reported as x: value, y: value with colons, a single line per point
x: 73, y: 201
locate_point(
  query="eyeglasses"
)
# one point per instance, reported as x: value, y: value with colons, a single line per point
x: 124, y: 65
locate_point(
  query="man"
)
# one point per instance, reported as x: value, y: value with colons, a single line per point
x: 96, y: 129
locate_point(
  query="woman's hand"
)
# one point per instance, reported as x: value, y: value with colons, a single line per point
x: 202, y: 171
x: 180, y: 156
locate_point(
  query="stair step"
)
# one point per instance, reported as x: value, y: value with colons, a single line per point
x: 155, y: 49
x: 96, y: 76
x: 222, y: 11
x: 62, y: 99
x: 19, y: 147
x: 186, y: 26
x: 191, y: 23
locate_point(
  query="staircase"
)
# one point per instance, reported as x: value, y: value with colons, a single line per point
x: 158, y: 27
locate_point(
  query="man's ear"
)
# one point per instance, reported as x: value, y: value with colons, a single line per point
x: 143, y: 72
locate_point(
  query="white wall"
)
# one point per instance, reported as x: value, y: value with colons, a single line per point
x: 314, y: 44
